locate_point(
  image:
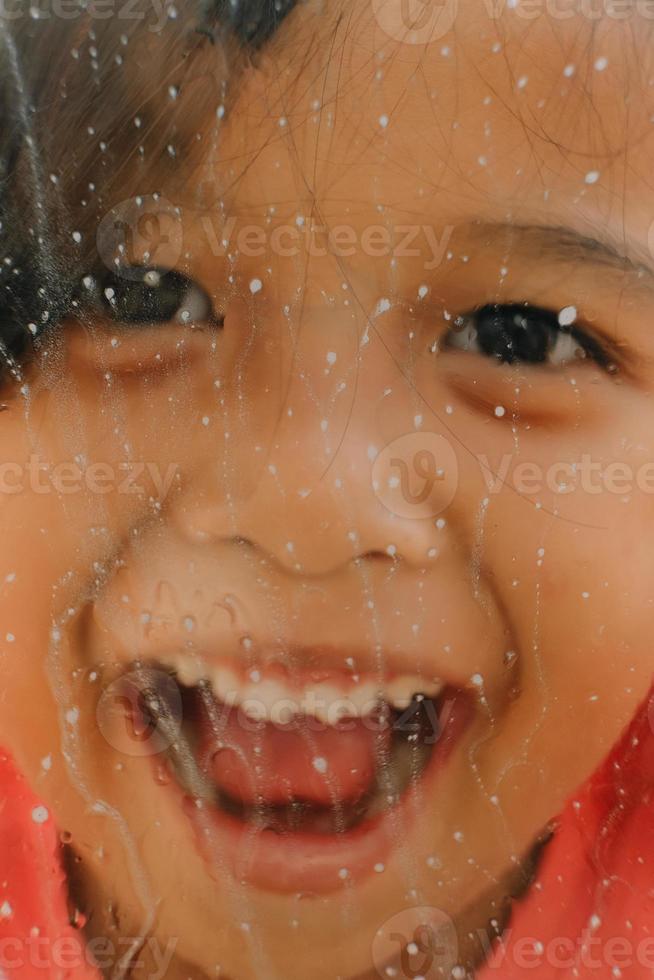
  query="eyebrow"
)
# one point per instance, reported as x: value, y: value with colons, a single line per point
x: 565, y: 244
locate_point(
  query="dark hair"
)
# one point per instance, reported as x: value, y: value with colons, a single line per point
x: 84, y: 105
x: 251, y: 21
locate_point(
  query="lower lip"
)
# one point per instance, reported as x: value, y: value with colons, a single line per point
x: 311, y: 862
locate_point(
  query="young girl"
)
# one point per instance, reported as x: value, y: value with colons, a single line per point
x: 327, y: 480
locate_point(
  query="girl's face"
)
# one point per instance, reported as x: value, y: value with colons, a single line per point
x: 414, y: 460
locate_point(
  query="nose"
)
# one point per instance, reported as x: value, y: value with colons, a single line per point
x: 316, y: 530
x: 367, y: 480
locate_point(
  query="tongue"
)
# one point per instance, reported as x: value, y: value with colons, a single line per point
x: 260, y: 762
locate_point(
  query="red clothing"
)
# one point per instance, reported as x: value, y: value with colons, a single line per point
x: 592, y: 905
x: 36, y: 938
x: 588, y: 914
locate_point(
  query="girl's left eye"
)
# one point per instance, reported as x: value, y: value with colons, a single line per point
x: 519, y: 332
x: 142, y: 296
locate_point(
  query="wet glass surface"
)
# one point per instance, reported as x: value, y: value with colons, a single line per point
x: 326, y: 490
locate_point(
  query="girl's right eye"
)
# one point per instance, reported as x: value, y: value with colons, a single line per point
x: 147, y: 296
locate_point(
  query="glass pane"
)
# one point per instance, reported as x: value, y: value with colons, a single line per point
x: 326, y: 489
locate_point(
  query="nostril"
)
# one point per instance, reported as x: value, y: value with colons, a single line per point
x: 376, y: 554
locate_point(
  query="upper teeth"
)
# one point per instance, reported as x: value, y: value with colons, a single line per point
x: 271, y: 699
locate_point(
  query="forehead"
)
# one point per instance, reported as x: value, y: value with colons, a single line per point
x: 530, y: 113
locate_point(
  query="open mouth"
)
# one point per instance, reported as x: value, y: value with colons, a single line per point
x: 295, y: 759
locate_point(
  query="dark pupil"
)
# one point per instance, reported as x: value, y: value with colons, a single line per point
x: 514, y: 333
x: 136, y: 301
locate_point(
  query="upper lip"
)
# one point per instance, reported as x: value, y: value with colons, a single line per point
x: 300, y: 660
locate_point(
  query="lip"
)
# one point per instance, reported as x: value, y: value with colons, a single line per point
x: 115, y: 633
x: 297, y: 662
x: 307, y: 861
x: 313, y: 862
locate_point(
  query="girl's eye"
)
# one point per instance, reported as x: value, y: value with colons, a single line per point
x: 519, y: 332
x: 148, y: 296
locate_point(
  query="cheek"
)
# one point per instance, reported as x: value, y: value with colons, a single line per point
x: 578, y: 598
x: 557, y: 520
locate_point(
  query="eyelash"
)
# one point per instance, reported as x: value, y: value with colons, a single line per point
x: 525, y: 334
x: 146, y: 295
